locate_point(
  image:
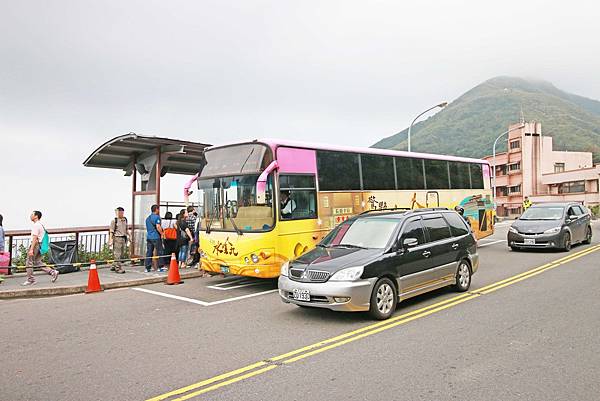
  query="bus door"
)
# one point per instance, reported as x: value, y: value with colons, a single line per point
x: 433, y: 199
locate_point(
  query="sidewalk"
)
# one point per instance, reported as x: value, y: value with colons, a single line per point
x: 74, y: 283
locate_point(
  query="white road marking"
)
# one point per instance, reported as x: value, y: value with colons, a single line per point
x: 242, y: 297
x: 214, y: 287
x: 491, y: 243
x: 162, y: 294
x: 198, y: 302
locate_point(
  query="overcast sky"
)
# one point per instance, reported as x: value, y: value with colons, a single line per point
x: 74, y: 74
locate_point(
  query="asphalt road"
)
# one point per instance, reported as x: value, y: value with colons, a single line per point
x: 527, y: 330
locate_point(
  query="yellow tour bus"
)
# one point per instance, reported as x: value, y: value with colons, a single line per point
x: 265, y: 202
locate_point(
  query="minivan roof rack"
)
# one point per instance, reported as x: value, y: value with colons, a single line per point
x: 389, y: 209
x: 429, y: 209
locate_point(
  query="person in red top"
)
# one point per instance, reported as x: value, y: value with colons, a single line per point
x: 34, y: 257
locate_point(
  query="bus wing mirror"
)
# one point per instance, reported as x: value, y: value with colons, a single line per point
x: 261, y: 183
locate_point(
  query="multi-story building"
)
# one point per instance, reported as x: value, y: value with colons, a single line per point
x: 531, y: 167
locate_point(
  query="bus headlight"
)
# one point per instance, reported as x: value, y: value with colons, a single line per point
x: 285, y: 269
x: 348, y: 274
x: 254, y: 258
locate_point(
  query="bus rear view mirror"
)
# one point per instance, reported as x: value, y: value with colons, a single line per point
x: 261, y: 183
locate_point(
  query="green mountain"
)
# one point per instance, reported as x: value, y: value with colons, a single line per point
x: 469, y: 125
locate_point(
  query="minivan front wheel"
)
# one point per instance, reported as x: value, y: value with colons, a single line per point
x: 384, y: 299
x: 463, y: 276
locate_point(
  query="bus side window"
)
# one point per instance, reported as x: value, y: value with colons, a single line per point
x: 302, y: 193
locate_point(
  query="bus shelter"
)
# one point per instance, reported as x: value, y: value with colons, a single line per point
x: 147, y: 159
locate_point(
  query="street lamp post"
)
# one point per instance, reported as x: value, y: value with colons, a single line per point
x: 441, y: 106
x: 494, y: 160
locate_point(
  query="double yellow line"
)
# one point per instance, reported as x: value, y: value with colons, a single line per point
x: 264, y: 366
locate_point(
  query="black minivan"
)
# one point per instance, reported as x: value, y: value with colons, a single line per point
x: 376, y: 259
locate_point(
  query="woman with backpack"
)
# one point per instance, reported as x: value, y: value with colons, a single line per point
x: 169, y: 226
x: 184, y: 237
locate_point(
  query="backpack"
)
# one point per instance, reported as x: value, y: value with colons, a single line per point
x: 45, y: 245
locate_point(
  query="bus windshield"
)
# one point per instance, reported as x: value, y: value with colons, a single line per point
x: 229, y: 204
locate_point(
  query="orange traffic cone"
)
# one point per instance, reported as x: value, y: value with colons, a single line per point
x: 173, y: 277
x: 93, y: 279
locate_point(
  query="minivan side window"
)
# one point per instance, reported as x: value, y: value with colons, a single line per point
x: 583, y: 211
x: 413, y: 229
x: 437, y: 228
x: 574, y: 211
x: 457, y: 224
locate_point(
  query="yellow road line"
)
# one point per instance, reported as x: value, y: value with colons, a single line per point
x: 334, y: 342
x: 207, y: 381
x: 226, y: 383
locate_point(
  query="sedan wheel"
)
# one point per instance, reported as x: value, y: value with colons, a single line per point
x: 463, y: 277
x: 383, y: 299
x: 588, y: 236
x: 567, y: 242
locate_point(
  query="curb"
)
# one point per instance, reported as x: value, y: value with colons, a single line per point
x: 77, y: 289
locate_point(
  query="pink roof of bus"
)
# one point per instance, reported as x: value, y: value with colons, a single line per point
x: 275, y: 143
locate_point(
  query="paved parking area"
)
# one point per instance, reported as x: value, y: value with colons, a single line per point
x: 525, y: 330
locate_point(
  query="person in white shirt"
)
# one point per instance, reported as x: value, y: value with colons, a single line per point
x: 288, y: 205
x: 34, y: 257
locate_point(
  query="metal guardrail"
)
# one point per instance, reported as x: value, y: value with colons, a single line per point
x: 93, y: 239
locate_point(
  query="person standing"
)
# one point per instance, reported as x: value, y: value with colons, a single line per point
x: 154, y: 237
x: 168, y: 225
x: 2, y: 240
x: 118, y: 235
x: 192, y: 219
x: 184, y: 238
x: 34, y: 257
x: 526, y: 203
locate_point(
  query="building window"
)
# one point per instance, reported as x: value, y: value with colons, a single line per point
x: 571, y: 187
x: 559, y: 167
x: 514, y: 189
x: 502, y: 191
x: 514, y: 167
x: 502, y: 169
x: 515, y: 144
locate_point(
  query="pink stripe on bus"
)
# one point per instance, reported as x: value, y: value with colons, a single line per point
x: 293, y: 160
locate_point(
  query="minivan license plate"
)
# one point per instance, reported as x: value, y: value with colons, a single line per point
x: 301, y: 295
x: 529, y: 241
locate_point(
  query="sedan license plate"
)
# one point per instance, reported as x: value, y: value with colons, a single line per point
x: 301, y: 295
x: 529, y: 241
x: 224, y: 269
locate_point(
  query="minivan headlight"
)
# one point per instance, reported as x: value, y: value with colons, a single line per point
x: 285, y: 269
x: 348, y: 274
x: 513, y: 230
x: 553, y: 230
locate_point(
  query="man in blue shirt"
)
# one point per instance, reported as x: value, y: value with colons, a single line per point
x: 154, y: 237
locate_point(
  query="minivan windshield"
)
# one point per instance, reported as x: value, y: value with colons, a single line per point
x: 543, y: 213
x: 361, y: 233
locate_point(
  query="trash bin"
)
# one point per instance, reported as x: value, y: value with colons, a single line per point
x: 64, y: 253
